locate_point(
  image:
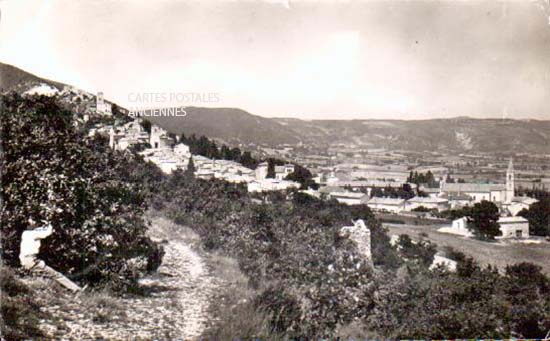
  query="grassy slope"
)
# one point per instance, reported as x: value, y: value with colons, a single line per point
x: 485, y: 253
x: 10, y: 77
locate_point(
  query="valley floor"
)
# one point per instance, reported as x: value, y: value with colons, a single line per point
x: 500, y: 253
x: 176, y: 304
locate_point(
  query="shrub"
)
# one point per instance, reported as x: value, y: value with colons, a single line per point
x: 52, y: 173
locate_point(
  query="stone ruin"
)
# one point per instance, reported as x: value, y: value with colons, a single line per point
x: 360, y: 234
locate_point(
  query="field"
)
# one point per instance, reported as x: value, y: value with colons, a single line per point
x: 497, y: 253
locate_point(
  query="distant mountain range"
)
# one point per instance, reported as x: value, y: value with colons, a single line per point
x: 234, y: 126
x: 460, y: 134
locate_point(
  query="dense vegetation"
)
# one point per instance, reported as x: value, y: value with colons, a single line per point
x: 471, y: 303
x: 422, y: 178
x: 208, y: 148
x: 53, y: 174
x: 404, y: 192
x: 290, y: 250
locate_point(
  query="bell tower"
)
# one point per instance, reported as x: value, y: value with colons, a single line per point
x: 510, y: 182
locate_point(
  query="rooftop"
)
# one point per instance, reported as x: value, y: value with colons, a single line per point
x: 516, y: 219
x: 386, y: 201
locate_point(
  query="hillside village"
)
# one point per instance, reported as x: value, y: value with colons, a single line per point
x: 169, y: 154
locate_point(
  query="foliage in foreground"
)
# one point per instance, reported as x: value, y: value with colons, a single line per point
x: 309, y: 282
x: 471, y: 303
x: 309, y: 278
x: 53, y: 173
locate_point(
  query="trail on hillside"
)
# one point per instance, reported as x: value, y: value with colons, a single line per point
x: 176, y: 307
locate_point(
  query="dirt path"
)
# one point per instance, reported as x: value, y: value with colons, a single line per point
x: 176, y: 307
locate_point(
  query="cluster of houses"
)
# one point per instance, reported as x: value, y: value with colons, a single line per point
x: 169, y: 155
x: 447, y: 196
x: 382, y: 204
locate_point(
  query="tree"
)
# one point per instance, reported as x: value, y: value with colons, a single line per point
x: 146, y: 126
x: 248, y: 161
x: 538, y: 216
x: 301, y: 175
x: 190, y: 171
x: 526, y: 288
x: 53, y: 173
x: 483, y: 220
x: 270, y: 169
x: 422, y: 251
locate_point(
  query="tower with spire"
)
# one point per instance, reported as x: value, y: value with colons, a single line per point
x: 510, y: 182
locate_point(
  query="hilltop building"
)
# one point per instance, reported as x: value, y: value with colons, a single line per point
x: 159, y: 138
x: 102, y: 107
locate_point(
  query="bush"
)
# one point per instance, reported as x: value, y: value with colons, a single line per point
x: 89, y: 194
x: 309, y: 279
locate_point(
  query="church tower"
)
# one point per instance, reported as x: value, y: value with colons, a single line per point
x: 510, y: 182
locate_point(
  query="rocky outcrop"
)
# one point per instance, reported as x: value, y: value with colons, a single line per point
x: 360, y: 234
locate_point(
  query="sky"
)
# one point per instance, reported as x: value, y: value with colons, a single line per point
x: 306, y: 59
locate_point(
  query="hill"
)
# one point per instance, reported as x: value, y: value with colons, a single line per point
x: 460, y: 134
x: 229, y: 124
x: 234, y: 126
x: 12, y: 77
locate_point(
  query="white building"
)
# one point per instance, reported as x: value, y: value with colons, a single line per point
x: 520, y: 203
x: 460, y: 227
x: 350, y: 198
x: 261, y: 171
x: 131, y: 133
x: 439, y: 204
x: 182, y: 150
x: 394, y: 205
x: 514, y: 227
x: 101, y: 106
x: 440, y: 260
x: 457, y: 200
x: 510, y: 227
x: 159, y: 138
x: 271, y: 185
x: 281, y: 172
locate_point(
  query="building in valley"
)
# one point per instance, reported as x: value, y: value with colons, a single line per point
x: 510, y: 227
x: 514, y: 227
x: 501, y: 194
x: 520, y: 203
x: 439, y: 204
x: 350, y: 198
x: 393, y: 205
